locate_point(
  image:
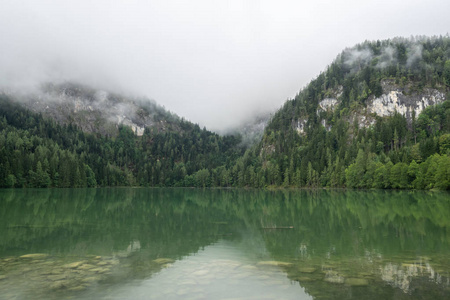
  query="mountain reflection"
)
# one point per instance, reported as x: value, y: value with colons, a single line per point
x: 394, y: 239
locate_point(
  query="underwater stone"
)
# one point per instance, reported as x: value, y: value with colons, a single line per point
x: 356, y: 281
x: 74, y: 265
x: 86, y: 267
x: 99, y: 270
x: 307, y: 270
x: 91, y: 279
x: 58, y: 285
x: 10, y: 259
x: 333, y: 277
x: 162, y: 261
x: 34, y: 255
x: 56, y: 277
x: 77, y: 288
x: 274, y: 263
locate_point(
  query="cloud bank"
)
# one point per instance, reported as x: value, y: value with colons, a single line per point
x: 213, y: 62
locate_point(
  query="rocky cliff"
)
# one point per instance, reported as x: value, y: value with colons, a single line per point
x: 404, y: 99
x: 96, y: 111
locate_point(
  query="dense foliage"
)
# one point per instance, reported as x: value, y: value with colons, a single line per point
x: 332, y: 151
x: 38, y: 152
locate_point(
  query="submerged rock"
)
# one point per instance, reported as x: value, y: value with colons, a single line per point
x: 10, y: 259
x: 34, y: 256
x: 334, y: 277
x: 56, y: 271
x: 78, y: 288
x: 74, y: 265
x: 91, y: 279
x: 58, y: 285
x: 86, y: 267
x: 163, y: 261
x: 356, y: 281
x: 274, y: 263
x: 307, y: 270
x: 113, y: 261
x: 100, y: 270
x: 56, y: 277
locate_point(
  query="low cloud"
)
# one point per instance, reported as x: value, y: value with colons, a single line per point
x: 414, y: 54
x: 212, y: 62
x: 362, y: 55
x: 387, y: 58
x: 355, y: 59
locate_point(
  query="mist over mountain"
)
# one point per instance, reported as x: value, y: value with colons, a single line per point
x: 377, y: 117
x: 102, y: 112
x: 95, y: 110
x: 214, y: 63
x: 252, y: 130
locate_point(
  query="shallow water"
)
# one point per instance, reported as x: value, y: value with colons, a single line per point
x: 223, y: 244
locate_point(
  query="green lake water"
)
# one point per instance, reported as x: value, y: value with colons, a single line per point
x: 223, y: 244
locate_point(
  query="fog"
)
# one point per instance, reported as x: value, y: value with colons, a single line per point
x: 213, y: 62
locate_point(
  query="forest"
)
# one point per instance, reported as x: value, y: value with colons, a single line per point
x: 395, y: 152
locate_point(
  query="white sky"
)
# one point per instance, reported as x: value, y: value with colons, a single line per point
x: 213, y: 62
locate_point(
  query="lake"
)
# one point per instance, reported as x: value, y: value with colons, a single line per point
x: 130, y: 243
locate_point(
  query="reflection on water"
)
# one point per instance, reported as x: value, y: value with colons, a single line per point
x: 218, y: 271
x: 223, y: 244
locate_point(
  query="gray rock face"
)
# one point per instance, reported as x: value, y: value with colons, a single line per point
x: 328, y: 104
x: 95, y: 110
x: 403, y: 101
x: 300, y: 125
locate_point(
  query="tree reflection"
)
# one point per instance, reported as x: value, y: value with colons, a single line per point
x: 351, y: 222
x: 397, y: 237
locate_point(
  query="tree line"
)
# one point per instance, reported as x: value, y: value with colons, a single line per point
x: 38, y: 152
x: 334, y: 150
x: 394, y: 152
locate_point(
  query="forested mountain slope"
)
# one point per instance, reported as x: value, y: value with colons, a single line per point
x: 377, y: 117
x: 38, y: 151
x: 94, y: 110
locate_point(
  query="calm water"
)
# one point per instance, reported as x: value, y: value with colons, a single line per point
x: 223, y: 244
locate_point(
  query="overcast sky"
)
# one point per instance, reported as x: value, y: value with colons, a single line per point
x: 213, y: 62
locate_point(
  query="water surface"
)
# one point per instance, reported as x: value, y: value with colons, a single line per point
x: 223, y: 244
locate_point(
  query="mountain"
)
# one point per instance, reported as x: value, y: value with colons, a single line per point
x: 96, y: 111
x: 73, y: 136
x: 252, y: 130
x: 377, y: 117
